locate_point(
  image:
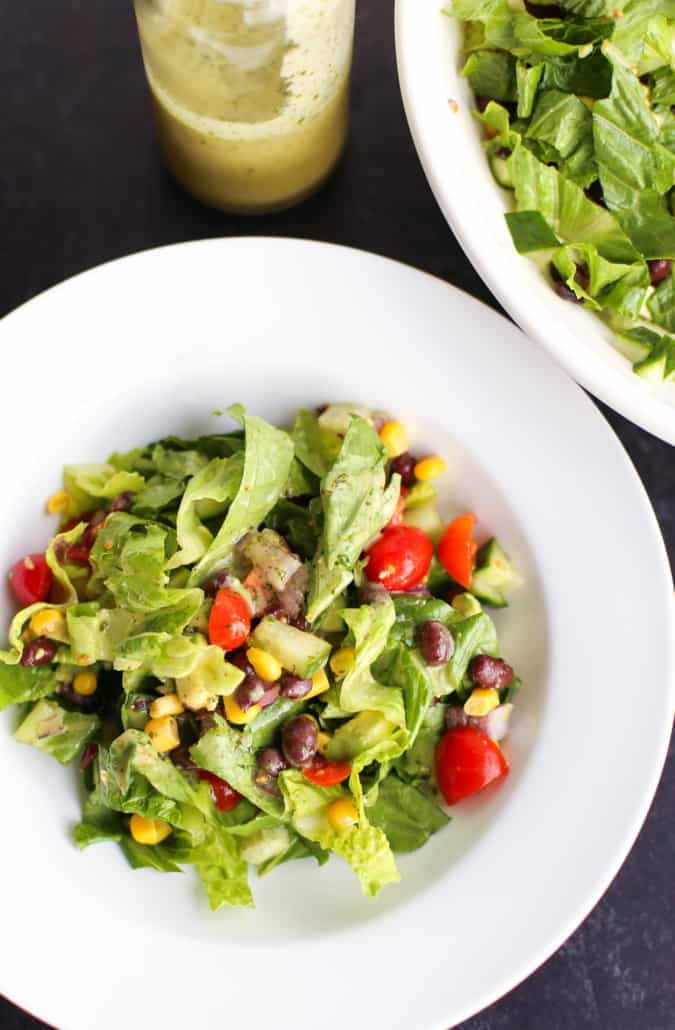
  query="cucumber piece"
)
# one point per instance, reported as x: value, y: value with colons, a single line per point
x: 265, y: 844
x: 466, y: 605
x: 499, y: 167
x: 426, y: 518
x: 297, y: 651
x: 420, y: 493
x: 493, y: 575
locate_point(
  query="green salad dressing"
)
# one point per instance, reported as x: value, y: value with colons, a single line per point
x: 250, y: 99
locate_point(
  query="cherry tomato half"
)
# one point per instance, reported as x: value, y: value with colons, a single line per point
x: 325, y: 773
x: 225, y: 796
x: 78, y: 553
x: 457, y: 551
x: 400, y: 558
x: 230, y: 620
x: 466, y: 761
x: 31, y: 579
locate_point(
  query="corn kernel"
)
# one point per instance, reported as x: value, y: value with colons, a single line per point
x: 49, y: 623
x: 148, y: 831
x: 236, y: 714
x: 342, y: 661
x: 430, y: 468
x: 323, y: 740
x: 481, y: 701
x: 85, y: 683
x: 394, y: 438
x: 58, y: 503
x: 320, y: 684
x: 168, y: 704
x: 265, y: 664
x: 342, y: 815
x: 163, y: 733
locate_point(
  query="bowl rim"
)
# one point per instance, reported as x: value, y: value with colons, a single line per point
x: 626, y: 394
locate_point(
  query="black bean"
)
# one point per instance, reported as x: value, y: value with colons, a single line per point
x: 249, y: 692
x: 40, y: 651
x: 482, y: 103
x: 272, y: 761
x: 487, y: 671
x: 240, y: 659
x: 405, y: 466
x: 300, y: 739
x: 300, y: 622
x: 271, y: 694
x: 86, y: 702
x: 659, y: 270
x: 294, y: 687
x: 265, y: 781
x: 181, y: 757
x: 435, y: 641
x: 205, y: 721
x: 141, y: 704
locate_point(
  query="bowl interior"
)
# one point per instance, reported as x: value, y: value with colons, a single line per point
x: 155, y: 343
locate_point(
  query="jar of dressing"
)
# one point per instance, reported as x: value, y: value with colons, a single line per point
x: 251, y: 97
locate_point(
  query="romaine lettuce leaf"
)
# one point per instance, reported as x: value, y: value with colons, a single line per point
x: 59, y: 733
x: 406, y: 815
x: 220, y: 751
x: 356, y: 507
x: 21, y: 683
x: 564, y: 126
x: 215, y: 485
x: 316, y: 446
x: 364, y: 847
x: 417, y: 763
x: 369, y: 628
x: 267, y: 461
x: 87, y: 485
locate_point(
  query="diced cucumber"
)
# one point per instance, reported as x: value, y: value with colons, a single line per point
x: 466, y: 605
x: 426, y: 518
x: 420, y: 493
x: 631, y: 347
x: 653, y: 367
x: 493, y: 575
x: 297, y: 651
x: 499, y: 167
x: 265, y: 844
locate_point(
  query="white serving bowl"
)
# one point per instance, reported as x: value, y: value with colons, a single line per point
x: 151, y: 345
x: 448, y: 142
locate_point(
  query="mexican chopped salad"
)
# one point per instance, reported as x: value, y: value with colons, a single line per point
x: 577, y: 100
x: 263, y: 645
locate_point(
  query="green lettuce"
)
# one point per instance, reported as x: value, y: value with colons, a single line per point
x: 406, y: 815
x: 369, y: 628
x: 357, y: 504
x: 364, y: 847
x: 267, y: 462
x: 21, y: 683
x: 221, y: 751
x: 57, y: 732
x: 88, y: 485
x: 215, y: 485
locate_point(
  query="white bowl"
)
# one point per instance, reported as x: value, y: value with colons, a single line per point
x: 152, y: 345
x: 449, y: 146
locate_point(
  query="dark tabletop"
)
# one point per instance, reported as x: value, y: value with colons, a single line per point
x: 80, y: 183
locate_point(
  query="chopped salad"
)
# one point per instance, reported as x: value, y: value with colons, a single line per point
x: 577, y: 101
x: 263, y: 645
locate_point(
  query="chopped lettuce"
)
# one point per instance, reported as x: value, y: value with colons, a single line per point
x: 364, y: 847
x: 61, y: 734
x: 406, y: 815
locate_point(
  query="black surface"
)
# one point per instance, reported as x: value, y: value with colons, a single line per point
x: 80, y: 184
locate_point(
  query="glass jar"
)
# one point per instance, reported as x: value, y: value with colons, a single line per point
x: 251, y: 98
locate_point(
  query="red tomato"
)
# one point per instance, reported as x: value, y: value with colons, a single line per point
x: 225, y: 796
x: 230, y: 620
x: 397, y: 517
x: 78, y: 553
x: 400, y: 558
x: 457, y: 551
x: 466, y: 761
x: 31, y: 579
x: 325, y: 773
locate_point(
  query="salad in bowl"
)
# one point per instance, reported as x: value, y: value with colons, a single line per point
x: 263, y: 645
